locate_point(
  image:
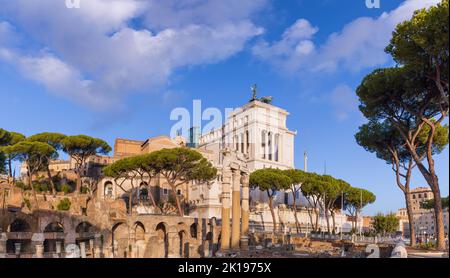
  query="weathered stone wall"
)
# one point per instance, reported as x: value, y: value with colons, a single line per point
x: 103, y: 229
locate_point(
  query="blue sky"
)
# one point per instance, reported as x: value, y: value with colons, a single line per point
x: 118, y: 68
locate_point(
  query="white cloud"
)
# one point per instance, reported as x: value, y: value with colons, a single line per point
x: 360, y: 44
x: 292, y: 49
x: 344, y: 101
x: 94, y: 55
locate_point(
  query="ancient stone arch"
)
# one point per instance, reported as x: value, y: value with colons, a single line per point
x: 120, y: 236
x: 19, y: 225
x: 193, y: 229
x: 158, y: 244
x: 54, y: 234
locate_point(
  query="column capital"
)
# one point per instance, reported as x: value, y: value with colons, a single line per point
x: 245, y: 179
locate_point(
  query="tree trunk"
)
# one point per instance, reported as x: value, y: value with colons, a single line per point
x: 78, y: 186
x: 409, y: 210
x: 273, y: 214
x: 310, y: 218
x: 328, y: 220
x: 30, y: 183
x: 10, y: 168
x: 432, y: 180
x: 174, y: 191
x: 438, y: 215
x: 316, y: 226
x: 334, y: 222
x: 297, y: 224
x: 49, y: 175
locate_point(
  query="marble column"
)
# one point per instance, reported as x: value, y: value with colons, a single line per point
x: 225, y: 234
x: 245, y: 211
x: 236, y: 211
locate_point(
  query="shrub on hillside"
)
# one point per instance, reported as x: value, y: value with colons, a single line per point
x: 64, y: 204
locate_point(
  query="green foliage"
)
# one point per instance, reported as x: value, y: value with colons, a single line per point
x: 5, y: 137
x: 297, y: 176
x: 358, y: 198
x: 427, y: 245
x: 64, y: 188
x: 429, y: 204
x: 22, y: 185
x: 385, y: 224
x: 84, y: 190
x: 27, y: 203
x: 41, y: 187
x: 35, y: 154
x: 8, y: 139
x: 270, y: 180
x: 2, y: 163
x: 183, y: 164
x: 51, y: 138
x: 422, y: 42
x: 64, y: 204
x: 80, y: 147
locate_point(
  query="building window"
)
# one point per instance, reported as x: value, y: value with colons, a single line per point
x: 165, y: 191
x: 269, y: 144
x: 277, y: 142
x: 108, y: 190
x: 263, y: 144
x: 425, y: 195
x: 414, y: 196
x: 420, y: 195
x: 179, y: 192
x: 247, y: 138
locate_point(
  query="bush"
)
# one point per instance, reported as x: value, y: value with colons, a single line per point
x: 41, y: 187
x: 64, y: 204
x: 64, y: 188
x: 27, y: 203
x: 429, y: 245
x: 22, y: 185
x: 84, y: 189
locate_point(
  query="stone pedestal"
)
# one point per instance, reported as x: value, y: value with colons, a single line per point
x: 39, y: 250
x: 236, y: 211
x: 244, y: 243
x: 83, y: 249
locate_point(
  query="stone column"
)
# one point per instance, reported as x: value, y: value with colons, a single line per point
x: 225, y: 234
x: 17, y: 247
x: 98, y: 246
x: 236, y: 211
x: 245, y: 211
x: 58, y: 245
x: 37, y: 240
x: 174, y: 245
x: 83, y: 249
